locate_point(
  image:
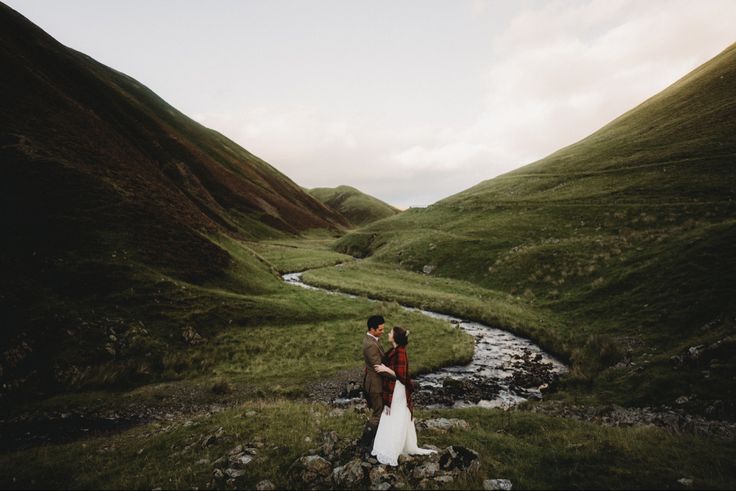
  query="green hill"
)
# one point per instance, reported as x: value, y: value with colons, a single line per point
x: 359, y: 208
x: 625, y: 242
x: 114, y: 204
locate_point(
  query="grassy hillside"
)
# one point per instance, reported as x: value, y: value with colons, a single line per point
x: 122, y: 220
x: 359, y: 208
x: 627, y: 238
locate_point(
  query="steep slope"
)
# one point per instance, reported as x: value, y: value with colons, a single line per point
x: 359, y: 208
x: 629, y: 234
x: 106, y: 192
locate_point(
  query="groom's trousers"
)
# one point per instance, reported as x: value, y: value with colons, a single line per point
x: 375, y: 401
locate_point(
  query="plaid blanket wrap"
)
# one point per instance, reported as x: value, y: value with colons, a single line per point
x: 398, y: 361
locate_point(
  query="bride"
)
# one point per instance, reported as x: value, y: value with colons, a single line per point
x: 396, y: 433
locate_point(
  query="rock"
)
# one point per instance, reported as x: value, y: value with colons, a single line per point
x: 442, y: 424
x: 221, y: 462
x: 428, y: 268
x: 265, y: 485
x: 238, y: 449
x: 686, y: 482
x: 110, y: 348
x: 428, y: 470
x: 218, y: 475
x: 444, y: 479
x: 460, y: 459
x: 350, y: 475
x: 311, y: 470
x: 377, y: 474
x: 682, y: 400
x: 212, y: 439
x: 497, y: 484
x: 384, y: 486
x: 191, y: 336
x: 234, y: 473
x: 240, y: 460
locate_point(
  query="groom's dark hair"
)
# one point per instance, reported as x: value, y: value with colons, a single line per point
x: 374, y: 321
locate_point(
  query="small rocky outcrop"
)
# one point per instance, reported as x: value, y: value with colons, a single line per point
x: 340, y: 464
x: 311, y: 471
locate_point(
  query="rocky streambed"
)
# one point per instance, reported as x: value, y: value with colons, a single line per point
x: 505, y: 369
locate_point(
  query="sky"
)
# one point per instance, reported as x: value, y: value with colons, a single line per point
x: 410, y: 101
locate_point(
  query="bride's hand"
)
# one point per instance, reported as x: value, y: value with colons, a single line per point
x: 387, y: 410
x: 381, y: 368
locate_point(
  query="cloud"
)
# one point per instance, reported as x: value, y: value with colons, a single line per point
x: 554, y: 74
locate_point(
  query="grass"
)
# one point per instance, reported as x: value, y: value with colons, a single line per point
x: 628, y: 236
x: 445, y: 295
x: 299, y: 254
x: 533, y: 451
x: 263, y: 337
x: 359, y: 208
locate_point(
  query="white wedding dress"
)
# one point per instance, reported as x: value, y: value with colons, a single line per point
x: 396, y: 433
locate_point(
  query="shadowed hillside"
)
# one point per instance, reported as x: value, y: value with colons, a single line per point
x: 110, y: 197
x: 360, y: 208
x: 626, y: 239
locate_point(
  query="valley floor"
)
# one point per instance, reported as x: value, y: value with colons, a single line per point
x: 174, y: 434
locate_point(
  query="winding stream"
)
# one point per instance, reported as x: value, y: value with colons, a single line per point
x: 505, y: 369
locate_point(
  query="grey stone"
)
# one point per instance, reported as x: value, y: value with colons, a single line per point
x: 685, y: 482
x: 426, y: 470
x: 384, y: 486
x: 377, y: 474
x: 497, y: 484
x: 239, y: 461
x: 350, y: 474
x: 238, y: 449
x: 234, y: 473
x: 442, y: 424
x: 311, y: 469
x: 265, y: 485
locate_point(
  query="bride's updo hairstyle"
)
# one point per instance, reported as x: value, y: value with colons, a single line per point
x: 401, y: 336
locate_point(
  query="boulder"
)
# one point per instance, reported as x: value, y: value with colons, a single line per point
x: 497, y: 484
x: 442, y: 424
x: 234, y: 473
x: 311, y: 470
x: 427, y: 470
x: 350, y: 475
x: 265, y: 485
x: 459, y: 459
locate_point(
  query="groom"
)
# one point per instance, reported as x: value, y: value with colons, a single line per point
x: 372, y: 381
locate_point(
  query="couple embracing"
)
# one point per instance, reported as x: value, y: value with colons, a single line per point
x: 390, y: 430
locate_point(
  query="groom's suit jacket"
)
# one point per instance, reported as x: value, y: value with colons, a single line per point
x: 373, y: 355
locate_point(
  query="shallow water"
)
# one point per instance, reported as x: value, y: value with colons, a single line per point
x: 505, y: 369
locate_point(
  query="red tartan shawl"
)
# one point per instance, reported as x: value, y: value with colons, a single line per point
x: 398, y: 361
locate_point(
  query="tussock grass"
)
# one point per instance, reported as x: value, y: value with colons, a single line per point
x: 533, y: 451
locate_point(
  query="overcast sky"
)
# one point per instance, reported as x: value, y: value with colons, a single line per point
x: 410, y: 101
